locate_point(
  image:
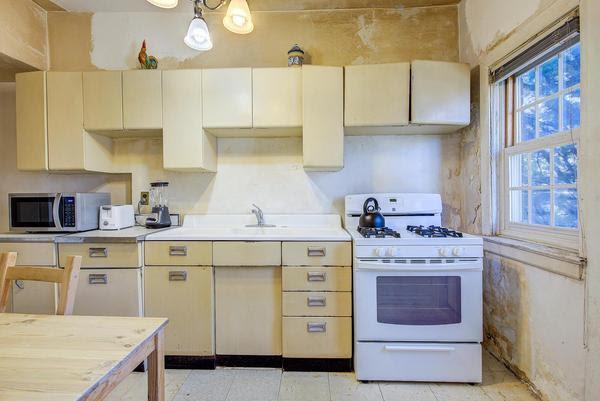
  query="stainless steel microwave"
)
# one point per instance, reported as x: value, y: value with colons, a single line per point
x: 58, y: 212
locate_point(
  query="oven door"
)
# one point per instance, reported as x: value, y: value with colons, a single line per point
x: 35, y: 212
x: 418, y: 300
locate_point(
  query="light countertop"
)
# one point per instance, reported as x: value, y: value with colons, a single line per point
x: 131, y: 234
x: 28, y: 237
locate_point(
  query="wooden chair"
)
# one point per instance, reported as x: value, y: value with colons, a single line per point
x: 67, y: 278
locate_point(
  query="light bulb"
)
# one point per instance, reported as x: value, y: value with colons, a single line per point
x: 238, y: 18
x: 198, y: 36
x: 164, y: 3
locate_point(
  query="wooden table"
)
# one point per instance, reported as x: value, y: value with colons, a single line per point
x: 68, y: 358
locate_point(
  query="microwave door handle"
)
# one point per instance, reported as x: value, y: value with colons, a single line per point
x: 392, y: 267
x: 55, y: 211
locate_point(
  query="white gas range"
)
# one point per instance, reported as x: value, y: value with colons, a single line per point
x: 417, y: 293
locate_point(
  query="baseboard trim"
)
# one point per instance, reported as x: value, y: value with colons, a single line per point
x: 189, y: 362
x: 254, y: 361
x: 318, y: 364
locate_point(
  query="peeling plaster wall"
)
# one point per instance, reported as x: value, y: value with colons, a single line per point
x: 533, y: 320
x: 269, y: 171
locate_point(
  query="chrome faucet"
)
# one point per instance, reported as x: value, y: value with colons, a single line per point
x: 260, y: 218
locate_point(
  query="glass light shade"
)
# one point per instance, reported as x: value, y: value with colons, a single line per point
x: 198, y: 37
x: 238, y: 18
x: 163, y: 3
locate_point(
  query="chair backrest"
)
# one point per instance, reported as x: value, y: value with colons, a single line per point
x: 67, y: 278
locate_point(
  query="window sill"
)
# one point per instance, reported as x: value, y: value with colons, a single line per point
x: 566, y: 263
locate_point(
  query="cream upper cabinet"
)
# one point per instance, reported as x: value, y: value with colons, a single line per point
x: 227, y: 98
x: 32, y: 140
x: 186, y: 146
x: 142, y: 100
x: 377, y: 95
x: 440, y: 93
x: 323, y: 118
x: 102, y: 101
x: 276, y: 97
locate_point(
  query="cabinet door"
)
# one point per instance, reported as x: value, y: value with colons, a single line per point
x: 109, y: 292
x: 227, y: 98
x: 185, y: 144
x: 102, y: 101
x: 66, y: 140
x: 32, y: 139
x: 377, y: 95
x: 276, y: 97
x: 34, y: 297
x: 323, y: 118
x: 142, y: 100
x: 440, y: 93
x: 185, y: 296
x: 248, y: 310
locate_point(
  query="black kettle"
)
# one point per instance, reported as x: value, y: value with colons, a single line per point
x: 371, y: 218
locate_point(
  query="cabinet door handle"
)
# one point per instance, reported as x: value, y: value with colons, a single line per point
x: 313, y: 251
x: 98, y: 279
x: 320, y: 327
x: 178, y: 251
x: 316, y: 301
x: 98, y: 252
x: 316, y: 276
x: 20, y: 284
x: 178, y: 276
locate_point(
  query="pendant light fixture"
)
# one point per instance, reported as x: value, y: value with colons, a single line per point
x: 163, y: 3
x: 198, y: 36
x: 238, y: 18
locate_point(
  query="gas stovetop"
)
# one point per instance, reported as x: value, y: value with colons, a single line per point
x: 384, y: 232
x: 434, y: 231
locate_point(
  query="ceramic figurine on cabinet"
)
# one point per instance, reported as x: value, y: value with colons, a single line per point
x: 146, y: 62
x: 295, y: 56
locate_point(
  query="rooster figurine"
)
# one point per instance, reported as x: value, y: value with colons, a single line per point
x: 147, y: 62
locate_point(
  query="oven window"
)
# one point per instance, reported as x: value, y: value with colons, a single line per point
x: 418, y: 300
x: 31, y: 212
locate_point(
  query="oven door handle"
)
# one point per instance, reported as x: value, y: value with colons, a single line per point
x: 418, y: 348
x: 421, y: 268
x: 56, y: 210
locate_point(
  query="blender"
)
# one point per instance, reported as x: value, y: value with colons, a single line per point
x: 159, y: 202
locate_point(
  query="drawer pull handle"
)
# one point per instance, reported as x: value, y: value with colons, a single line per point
x: 316, y: 301
x: 98, y: 279
x: 178, y: 251
x: 316, y: 276
x: 20, y: 284
x: 312, y: 251
x: 178, y: 276
x: 316, y: 327
x: 98, y: 252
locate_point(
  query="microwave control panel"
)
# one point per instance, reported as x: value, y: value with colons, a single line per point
x: 68, y: 211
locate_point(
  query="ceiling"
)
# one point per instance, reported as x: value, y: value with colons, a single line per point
x: 255, y: 5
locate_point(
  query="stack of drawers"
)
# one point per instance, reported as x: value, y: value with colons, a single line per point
x: 317, y: 300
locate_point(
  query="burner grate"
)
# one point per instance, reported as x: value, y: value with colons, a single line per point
x: 434, y: 232
x: 378, y: 232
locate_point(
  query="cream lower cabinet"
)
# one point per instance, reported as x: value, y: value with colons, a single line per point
x: 185, y: 296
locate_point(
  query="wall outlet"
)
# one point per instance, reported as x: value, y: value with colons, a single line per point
x: 145, y: 198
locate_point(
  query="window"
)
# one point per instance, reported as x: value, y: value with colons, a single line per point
x: 539, y: 159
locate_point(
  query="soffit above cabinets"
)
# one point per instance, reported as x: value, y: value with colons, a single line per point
x: 255, y: 5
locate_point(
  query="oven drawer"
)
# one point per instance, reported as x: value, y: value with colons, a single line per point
x: 430, y: 362
x: 317, y: 278
x: 316, y: 253
x: 178, y: 253
x: 317, y: 304
x: 317, y: 337
x: 102, y: 254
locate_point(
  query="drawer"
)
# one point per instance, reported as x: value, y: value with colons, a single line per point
x: 317, y: 303
x: 178, y: 253
x: 102, y: 255
x: 317, y: 337
x: 316, y: 253
x: 432, y: 362
x: 237, y: 253
x: 31, y: 254
x: 302, y: 278
x: 109, y: 292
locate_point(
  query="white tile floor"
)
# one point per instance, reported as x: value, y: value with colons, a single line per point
x: 272, y: 385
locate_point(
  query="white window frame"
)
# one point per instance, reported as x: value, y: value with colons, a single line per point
x: 502, y: 110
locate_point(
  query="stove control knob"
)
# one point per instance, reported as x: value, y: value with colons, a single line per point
x: 457, y: 251
x: 443, y: 251
x: 391, y: 252
x: 379, y: 251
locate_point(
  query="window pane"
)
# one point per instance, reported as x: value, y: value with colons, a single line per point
x: 565, y: 208
x: 565, y: 164
x: 519, y: 206
x: 540, y: 167
x: 519, y: 170
x: 571, y: 110
x: 549, y: 77
x: 571, y: 66
x: 527, y: 131
x: 540, y: 207
x: 526, y: 84
x: 549, y: 117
